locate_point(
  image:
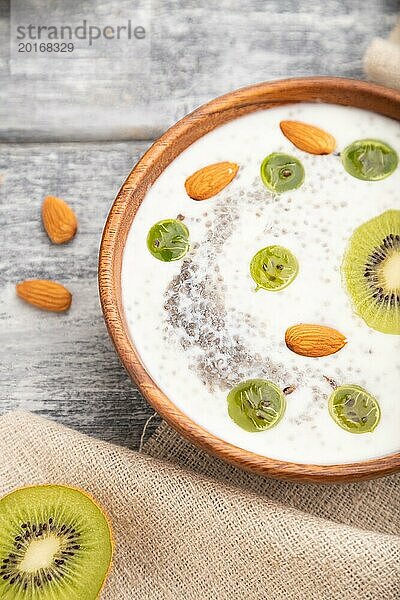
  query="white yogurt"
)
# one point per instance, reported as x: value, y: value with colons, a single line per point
x: 246, y: 329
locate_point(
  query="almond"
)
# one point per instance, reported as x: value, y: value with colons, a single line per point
x: 45, y: 294
x: 59, y: 220
x: 308, y: 138
x: 210, y: 180
x: 314, y: 340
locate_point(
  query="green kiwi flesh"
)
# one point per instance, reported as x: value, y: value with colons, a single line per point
x: 55, y: 543
x: 371, y: 269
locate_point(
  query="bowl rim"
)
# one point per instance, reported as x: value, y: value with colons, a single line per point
x: 342, y: 91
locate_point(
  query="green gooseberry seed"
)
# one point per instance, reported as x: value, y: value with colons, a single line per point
x: 256, y: 404
x: 354, y: 409
x: 281, y: 172
x: 168, y: 240
x: 273, y: 268
x: 369, y: 160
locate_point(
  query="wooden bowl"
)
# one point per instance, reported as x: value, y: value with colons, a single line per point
x: 157, y: 158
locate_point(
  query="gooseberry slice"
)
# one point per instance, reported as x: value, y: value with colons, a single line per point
x: 370, y: 160
x: 168, y: 240
x: 281, y: 172
x: 273, y: 268
x: 354, y: 409
x: 256, y: 404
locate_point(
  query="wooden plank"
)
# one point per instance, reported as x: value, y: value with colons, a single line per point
x: 197, y: 52
x: 63, y: 366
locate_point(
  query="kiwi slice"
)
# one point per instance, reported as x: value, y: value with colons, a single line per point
x: 168, y: 240
x: 273, y: 268
x: 256, y: 404
x: 370, y: 160
x: 371, y: 269
x: 281, y: 172
x: 55, y: 544
x: 354, y: 409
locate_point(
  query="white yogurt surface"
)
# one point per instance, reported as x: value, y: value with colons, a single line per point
x: 215, y: 317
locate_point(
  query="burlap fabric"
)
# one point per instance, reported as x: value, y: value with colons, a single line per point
x: 210, y: 531
x: 382, y: 60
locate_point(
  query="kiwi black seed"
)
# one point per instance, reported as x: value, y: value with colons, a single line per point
x: 55, y: 543
x: 371, y: 269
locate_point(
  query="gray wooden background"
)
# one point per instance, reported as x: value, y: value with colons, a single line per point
x: 75, y: 127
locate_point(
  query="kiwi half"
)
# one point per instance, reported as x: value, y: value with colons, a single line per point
x: 371, y: 269
x: 55, y: 543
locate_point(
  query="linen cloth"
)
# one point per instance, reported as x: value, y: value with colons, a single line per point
x: 382, y: 59
x: 189, y: 527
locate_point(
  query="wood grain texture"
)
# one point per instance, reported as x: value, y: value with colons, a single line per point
x: 157, y: 158
x: 198, y: 51
x: 63, y: 365
x: 68, y: 370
